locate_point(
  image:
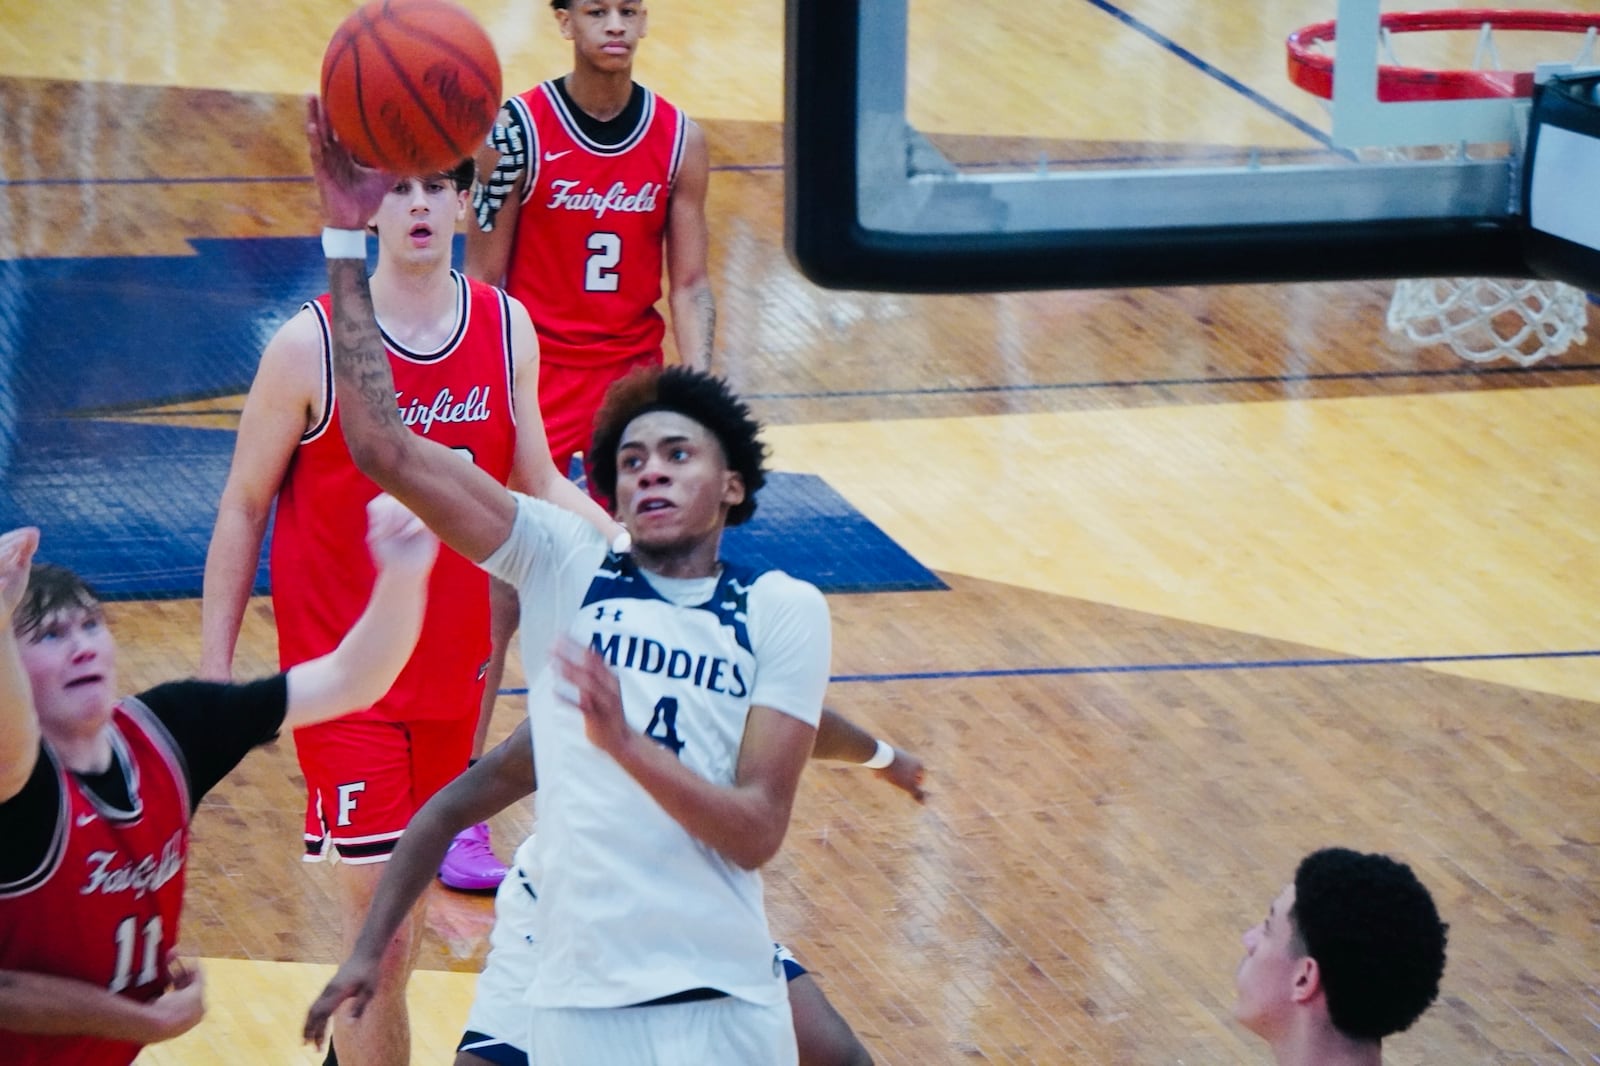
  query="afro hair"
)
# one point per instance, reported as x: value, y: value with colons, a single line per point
x: 696, y: 395
x: 1376, y: 936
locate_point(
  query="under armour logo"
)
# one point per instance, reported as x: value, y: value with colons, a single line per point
x: 551, y: 157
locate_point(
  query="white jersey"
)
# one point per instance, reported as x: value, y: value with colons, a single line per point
x: 631, y: 907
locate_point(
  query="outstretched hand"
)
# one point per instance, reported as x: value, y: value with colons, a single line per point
x: 397, y: 538
x: 356, y: 981
x: 350, y: 192
x: 16, y: 556
x: 906, y: 774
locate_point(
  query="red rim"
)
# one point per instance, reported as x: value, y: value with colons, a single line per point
x: 1312, y: 70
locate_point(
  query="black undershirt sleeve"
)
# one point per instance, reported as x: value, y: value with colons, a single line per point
x: 215, y: 725
x: 28, y: 822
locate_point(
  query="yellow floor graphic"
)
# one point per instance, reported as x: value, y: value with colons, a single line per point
x: 255, y: 1011
x: 1432, y: 525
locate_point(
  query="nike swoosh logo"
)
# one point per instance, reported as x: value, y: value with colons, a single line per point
x: 551, y: 157
x: 84, y: 819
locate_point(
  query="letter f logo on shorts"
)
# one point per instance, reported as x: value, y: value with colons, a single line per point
x: 347, y: 800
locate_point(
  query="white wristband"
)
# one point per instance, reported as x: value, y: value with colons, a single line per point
x: 882, y: 757
x: 344, y: 243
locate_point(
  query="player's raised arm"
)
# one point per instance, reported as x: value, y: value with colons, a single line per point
x: 470, y: 511
x: 19, y: 723
x: 357, y: 672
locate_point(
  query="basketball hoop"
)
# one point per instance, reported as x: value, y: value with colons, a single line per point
x: 1481, y: 319
x: 1312, y: 69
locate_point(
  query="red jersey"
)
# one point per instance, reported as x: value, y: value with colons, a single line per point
x: 104, y: 906
x: 322, y: 574
x: 586, y: 258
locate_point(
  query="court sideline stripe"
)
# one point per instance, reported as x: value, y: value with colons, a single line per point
x: 1167, y: 383
x: 1214, y: 666
x: 1203, y: 666
x: 974, y: 390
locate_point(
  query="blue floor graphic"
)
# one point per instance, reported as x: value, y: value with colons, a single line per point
x: 130, y: 505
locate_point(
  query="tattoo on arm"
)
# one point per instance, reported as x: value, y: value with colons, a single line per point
x: 360, y: 362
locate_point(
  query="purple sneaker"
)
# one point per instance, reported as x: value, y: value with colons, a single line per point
x: 470, y: 865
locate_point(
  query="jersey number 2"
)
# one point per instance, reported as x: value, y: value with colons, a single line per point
x: 127, y: 940
x: 598, y: 275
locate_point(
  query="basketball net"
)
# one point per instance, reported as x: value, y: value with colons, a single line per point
x: 1484, y: 319
x: 1524, y: 320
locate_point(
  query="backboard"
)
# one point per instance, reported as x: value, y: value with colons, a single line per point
x: 1099, y: 144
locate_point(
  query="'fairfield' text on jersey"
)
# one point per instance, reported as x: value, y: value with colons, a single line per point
x: 146, y: 875
x: 617, y: 198
x: 444, y: 408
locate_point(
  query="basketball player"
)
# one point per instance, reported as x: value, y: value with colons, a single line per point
x: 689, y: 692
x: 96, y: 794
x: 593, y: 180
x: 496, y: 1026
x: 466, y: 367
x: 1351, y: 951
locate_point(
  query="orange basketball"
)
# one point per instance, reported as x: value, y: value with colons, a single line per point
x: 410, y: 86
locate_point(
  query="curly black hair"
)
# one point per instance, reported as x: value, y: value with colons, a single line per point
x: 1376, y: 936
x: 50, y: 589
x: 696, y: 395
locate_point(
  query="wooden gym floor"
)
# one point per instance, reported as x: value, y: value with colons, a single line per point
x: 1232, y: 573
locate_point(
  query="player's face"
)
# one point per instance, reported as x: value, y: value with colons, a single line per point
x: 418, y: 216
x: 674, y: 487
x: 605, y: 33
x: 71, y: 662
x: 1266, y: 976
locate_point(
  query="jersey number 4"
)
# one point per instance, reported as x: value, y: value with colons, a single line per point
x: 605, y: 252
x: 663, y: 727
x: 128, y: 940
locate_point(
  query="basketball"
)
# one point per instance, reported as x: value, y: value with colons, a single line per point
x: 410, y: 86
